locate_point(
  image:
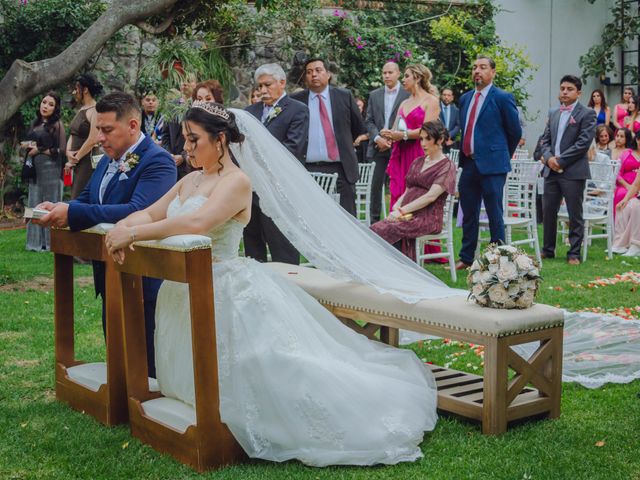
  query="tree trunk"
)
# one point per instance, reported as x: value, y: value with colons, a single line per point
x: 25, y: 80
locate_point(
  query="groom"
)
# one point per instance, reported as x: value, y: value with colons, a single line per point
x: 134, y: 173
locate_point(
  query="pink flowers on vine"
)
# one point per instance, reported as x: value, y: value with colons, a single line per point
x: 357, y: 42
x: 340, y: 13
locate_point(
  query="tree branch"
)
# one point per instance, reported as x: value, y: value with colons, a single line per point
x: 156, y: 29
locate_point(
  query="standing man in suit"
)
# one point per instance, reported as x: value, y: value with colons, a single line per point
x: 382, y: 109
x: 565, y: 144
x: 449, y: 116
x: 334, y: 124
x: 288, y: 121
x: 490, y: 133
x: 133, y: 173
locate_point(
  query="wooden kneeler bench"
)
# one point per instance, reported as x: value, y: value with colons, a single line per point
x: 197, y: 436
x: 98, y: 389
x: 494, y: 399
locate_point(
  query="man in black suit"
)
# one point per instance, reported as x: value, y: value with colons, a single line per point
x: 565, y: 144
x: 288, y: 121
x: 334, y: 124
x: 449, y: 117
x: 382, y: 109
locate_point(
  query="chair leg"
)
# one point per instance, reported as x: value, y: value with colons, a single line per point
x: 585, y: 242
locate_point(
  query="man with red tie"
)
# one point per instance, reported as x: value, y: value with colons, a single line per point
x: 334, y: 123
x: 490, y: 134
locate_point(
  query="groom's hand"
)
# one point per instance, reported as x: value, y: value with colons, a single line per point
x: 57, y: 216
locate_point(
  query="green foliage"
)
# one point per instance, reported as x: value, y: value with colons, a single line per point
x: 42, y: 29
x: 600, y: 61
x: 358, y: 42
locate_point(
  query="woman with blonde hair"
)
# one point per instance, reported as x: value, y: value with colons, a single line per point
x: 422, y: 106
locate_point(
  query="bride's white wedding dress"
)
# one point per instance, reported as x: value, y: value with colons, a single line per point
x: 294, y: 382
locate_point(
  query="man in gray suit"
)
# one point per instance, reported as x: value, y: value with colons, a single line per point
x: 382, y: 108
x: 565, y: 143
x: 449, y: 117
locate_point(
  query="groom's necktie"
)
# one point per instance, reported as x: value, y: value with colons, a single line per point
x: 111, y: 171
x: 329, y: 137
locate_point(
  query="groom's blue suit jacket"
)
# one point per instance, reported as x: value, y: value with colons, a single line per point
x: 141, y: 186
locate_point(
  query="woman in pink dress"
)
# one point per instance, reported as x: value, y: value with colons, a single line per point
x: 429, y: 180
x: 422, y: 106
x: 629, y: 165
x: 632, y: 121
x: 626, y: 240
x: 620, y: 111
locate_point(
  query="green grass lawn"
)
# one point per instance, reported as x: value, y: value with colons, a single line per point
x: 597, y: 436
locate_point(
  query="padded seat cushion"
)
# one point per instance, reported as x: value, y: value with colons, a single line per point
x: 454, y: 312
x: 93, y: 375
x: 174, y: 413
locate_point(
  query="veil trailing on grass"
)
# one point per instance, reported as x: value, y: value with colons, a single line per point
x: 597, y: 348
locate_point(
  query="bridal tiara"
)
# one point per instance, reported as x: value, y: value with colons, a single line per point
x: 211, y: 108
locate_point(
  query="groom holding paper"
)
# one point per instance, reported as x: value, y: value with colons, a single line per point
x: 133, y: 174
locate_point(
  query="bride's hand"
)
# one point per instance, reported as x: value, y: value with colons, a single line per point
x: 118, y: 256
x: 118, y: 238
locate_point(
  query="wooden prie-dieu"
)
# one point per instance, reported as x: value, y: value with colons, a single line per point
x: 97, y: 389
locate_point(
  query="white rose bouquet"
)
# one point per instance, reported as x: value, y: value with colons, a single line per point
x: 503, y: 277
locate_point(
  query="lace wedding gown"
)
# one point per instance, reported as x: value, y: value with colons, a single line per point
x: 294, y: 382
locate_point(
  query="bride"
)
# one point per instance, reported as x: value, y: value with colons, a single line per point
x: 294, y: 382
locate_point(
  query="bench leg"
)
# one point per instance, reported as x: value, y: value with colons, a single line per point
x: 390, y: 336
x: 494, y: 411
x: 554, y: 373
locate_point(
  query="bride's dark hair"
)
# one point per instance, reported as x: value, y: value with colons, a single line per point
x: 215, y: 119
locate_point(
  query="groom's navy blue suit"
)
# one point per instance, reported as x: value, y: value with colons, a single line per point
x: 141, y: 186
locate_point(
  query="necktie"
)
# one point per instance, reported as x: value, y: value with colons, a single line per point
x: 329, y: 137
x: 466, y: 143
x: 111, y: 171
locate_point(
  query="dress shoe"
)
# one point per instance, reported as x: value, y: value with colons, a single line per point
x: 619, y: 250
x: 460, y: 265
x: 573, y: 261
x: 634, y: 251
x: 546, y: 255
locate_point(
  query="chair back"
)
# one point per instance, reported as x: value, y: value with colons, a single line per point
x: 363, y: 192
x: 600, y: 190
x: 328, y: 182
x: 366, y: 174
x: 521, y: 154
x: 454, y: 156
x: 520, y: 189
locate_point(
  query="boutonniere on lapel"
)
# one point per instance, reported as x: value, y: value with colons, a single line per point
x: 129, y: 163
x: 275, y: 111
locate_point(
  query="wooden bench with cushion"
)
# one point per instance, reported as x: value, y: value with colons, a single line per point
x: 98, y: 388
x: 195, y: 436
x: 495, y: 398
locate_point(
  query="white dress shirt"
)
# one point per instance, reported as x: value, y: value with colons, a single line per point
x: 446, y: 113
x: 112, y: 169
x: 390, y: 96
x: 483, y: 95
x: 317, y: 147
x: 562, y: 126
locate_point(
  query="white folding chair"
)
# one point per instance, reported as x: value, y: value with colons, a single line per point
x: 454, y: 156
x: 444, y: 239
x: 519, y: 205
x: 328, y: 182
x: 363, y: 192
x: 521, y: 154
x: 597, y: 206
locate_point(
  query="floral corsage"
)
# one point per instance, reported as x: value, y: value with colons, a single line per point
x: 503, y: 277
x: 275, y: 111
x: 129, y: 163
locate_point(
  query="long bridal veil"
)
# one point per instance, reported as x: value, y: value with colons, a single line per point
x: 329, y: 237
x: 597, y: 348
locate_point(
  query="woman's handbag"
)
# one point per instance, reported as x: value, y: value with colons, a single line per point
x: 28, y: 170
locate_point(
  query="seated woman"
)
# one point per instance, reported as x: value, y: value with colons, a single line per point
x: 622, y: 142
x: 629, y: 165
x: 627, y: 228
x: 429, y: 179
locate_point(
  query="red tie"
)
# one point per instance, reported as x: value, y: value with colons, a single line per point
x: 466, y: 143
x: 329, y: 137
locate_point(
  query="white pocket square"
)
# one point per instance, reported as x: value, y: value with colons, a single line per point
x: 123, y: 176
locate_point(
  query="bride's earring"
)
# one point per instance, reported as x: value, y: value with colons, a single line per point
x: 219, y: 145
